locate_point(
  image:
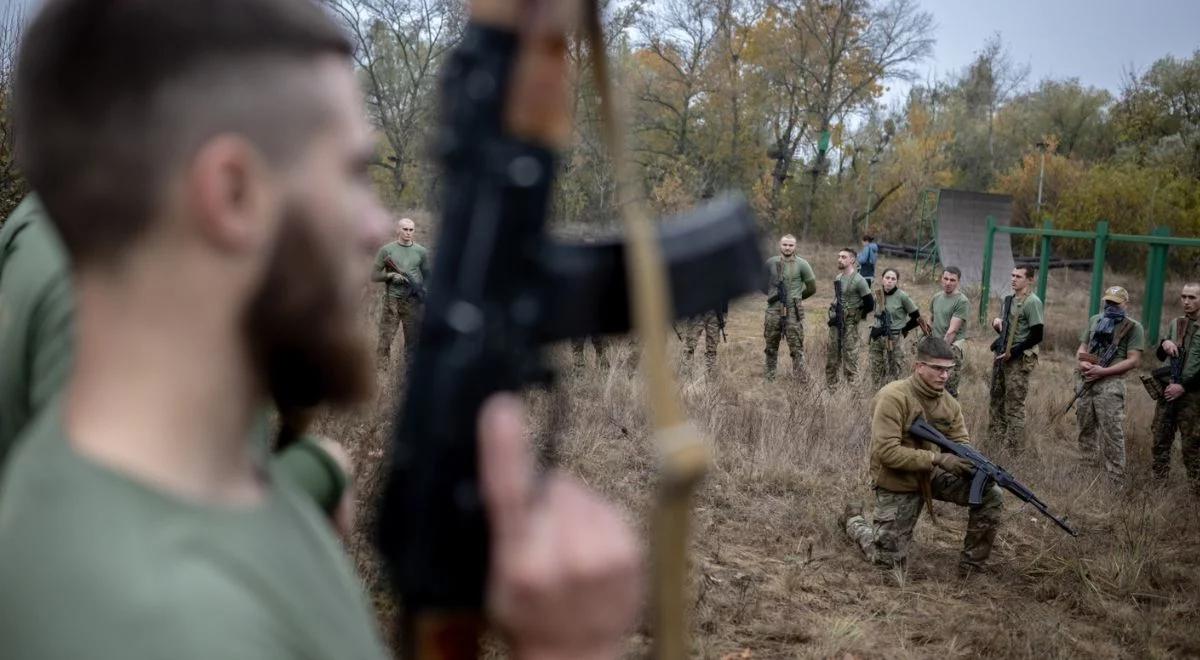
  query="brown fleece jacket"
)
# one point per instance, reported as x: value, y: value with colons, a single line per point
x: 898, y: 460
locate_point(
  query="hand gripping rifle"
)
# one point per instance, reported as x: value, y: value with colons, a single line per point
x: 986, y: 472
x: 781, y: 296
x: 501, y: 290
x: 390, y: 265
x: 884, y: 330
x: 1003, y: 343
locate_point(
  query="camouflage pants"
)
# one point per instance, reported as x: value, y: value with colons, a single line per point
x: 776, y: 328
x: 395, y: 312
x: 1187, y: 424
x: 952, y: 384
x: 1100, y: 412
x: 885, y: 542
x: 1006, y: 427
x: 710, y: 325
x: 846, y: 360
x: 886, y: 365
x: 578, y: 345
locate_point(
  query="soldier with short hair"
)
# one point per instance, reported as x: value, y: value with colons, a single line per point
x: 854, y: 303
x: 948, y: 313
x: 1100, y: 410
x: 903, y: 467
x: 404, y: 265
x: 1017, y: 361
x: 789, y: 280
x: 1177, y: 407
x: 886, y: 352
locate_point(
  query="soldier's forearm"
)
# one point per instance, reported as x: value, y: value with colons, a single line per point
x: 810, y: 289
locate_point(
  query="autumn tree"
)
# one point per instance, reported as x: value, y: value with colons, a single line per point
x: 12, y: 184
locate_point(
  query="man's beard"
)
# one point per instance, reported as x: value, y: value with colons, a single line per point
x: 304, y: 337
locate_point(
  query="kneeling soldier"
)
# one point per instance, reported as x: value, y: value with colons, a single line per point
x: 906, y: 472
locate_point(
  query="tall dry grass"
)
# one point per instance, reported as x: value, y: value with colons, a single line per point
x: 773, y: 576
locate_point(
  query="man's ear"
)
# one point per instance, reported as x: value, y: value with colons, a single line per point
x: 232, y: 194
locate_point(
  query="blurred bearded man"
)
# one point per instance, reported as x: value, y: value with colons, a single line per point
x: 205, y: 163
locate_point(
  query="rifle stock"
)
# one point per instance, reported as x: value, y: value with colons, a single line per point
x: 1003, y: 343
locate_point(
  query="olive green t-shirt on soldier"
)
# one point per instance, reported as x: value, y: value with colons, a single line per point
x: 413, y: 262
x: 101, y: 566
x: 854, y: 288
x: 1134, y: 339
x: 1027, y: 313
x: 944, y: 308
x: 797, y: 274
x: 35, y: 318
x: 899, y: 306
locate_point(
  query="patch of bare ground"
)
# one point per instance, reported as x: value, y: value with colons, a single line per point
x: 773, y: 576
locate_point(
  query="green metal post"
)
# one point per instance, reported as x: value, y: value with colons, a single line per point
x: 1044, y: 263
x: 1098, y: 267
x: 1156, y: 275
x: 986, y: 283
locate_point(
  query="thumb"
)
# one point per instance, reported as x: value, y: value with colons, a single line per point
x: 505, y: 469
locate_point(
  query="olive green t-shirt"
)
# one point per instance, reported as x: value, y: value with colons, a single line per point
x: 944, y: 308
x: 1134, y: 339
x: 1190, y: 350
x: 899, y: 306
x: 35, y: 318
x: 98, y: 565
x: 1026, y: 312
x: 854, y: 288
x: 797, y: 276
x: 413, y: 263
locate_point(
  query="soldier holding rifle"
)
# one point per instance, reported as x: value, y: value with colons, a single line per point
x: 1019, y: 330
x: 404, y: 266
x: 895, y: 315
x: 137, y: 507
x: 789, y: 280
x: 852, y: 301
x: 1109, y: 347
x: 1176, y: 390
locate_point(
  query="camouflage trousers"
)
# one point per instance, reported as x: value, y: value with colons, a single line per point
x: 1006, y: 426
x: 845, y: 361
x: 396, y: 312
x: 886, y: 365
x: 1100, y: 412
x: 952, y: 384
x: 579, y: 344
x: 1187, y: 423
x: 710, y: 325
x: 775, y: 327
x: 885, y: 541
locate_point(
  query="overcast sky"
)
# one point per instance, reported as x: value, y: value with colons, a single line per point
x: 1093, y: 40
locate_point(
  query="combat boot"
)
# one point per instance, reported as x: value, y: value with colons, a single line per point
x: 851, y: 510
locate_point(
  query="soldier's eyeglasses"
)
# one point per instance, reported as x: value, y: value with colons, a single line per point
x: 941, y: 369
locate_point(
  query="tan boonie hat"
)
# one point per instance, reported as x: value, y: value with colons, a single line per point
x: 1117, y: 294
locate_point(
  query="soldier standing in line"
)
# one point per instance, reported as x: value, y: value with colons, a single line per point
x: 712, y: 324
x: 789, y: 280
x: 852, y: 300
x: 578, y: 344
x: 1101, y: 407
x: 1178, y: 390
x: 886, y: 352
x: 404, y: 266
x: 1016, y: 362
x: 948, y: 312
x: 902, y: 467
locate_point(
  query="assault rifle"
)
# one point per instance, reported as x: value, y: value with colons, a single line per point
x: 837, y: 313
x: 417, y: 290
x: 1003, y: 343
x: 884, y: 329
x: 501, y: 291
x: 1156, y: 383
x: 1105, y: 359
x: 780, y: 295
x: 986, y: 472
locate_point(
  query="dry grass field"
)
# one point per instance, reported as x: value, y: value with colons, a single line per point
x: 773, y: 576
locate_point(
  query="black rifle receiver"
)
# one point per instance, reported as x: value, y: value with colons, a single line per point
x: 986, y: 472
x: 1001, y: 344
